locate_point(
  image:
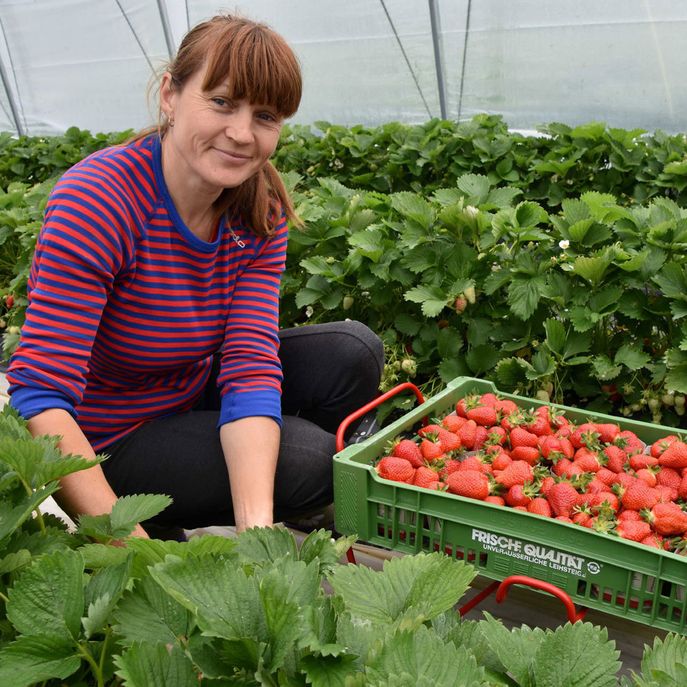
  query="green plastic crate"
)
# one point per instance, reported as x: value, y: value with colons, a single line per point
x: 599, y: 571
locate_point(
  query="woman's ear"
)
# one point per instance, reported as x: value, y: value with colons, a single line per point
x: 167, y: 95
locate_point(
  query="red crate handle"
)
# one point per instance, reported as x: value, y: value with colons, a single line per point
x: 573, y: 614
x: 373, y: 404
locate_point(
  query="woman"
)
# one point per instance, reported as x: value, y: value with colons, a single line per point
x: 163, y: 256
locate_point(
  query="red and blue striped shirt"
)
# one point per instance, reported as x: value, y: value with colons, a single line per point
x: 127, y: 306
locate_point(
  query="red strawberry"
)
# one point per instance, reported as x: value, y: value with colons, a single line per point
x: 675, y: 456
x: 606, y: 500
x: 606, y: 476
x: 661, y: 445
x: 425, y: 477
x: 553, y: 447
x: 468, y: 434
x: 396, y: 469
x: 639, y: 495
x: 616, y: 458
x: 668, y: 519
x: 546, y: 485
x: 506, y: 407
x: 496, y: 500
x: 654, y: 540
x: 634, y: 530
x: 587, y: 459
x: 529, y: 454
x: 474, y: 463
x: 541, y: 425
x: 521, y: 437
x: 638, y: 461
x: 496, y: 436
x: 517, y: 495
x: 453, y: 423
x: 472, y: 484
x: 501, y: 461
x: 408, y: 449
x: 489, y: 399
x: 451, y: 465
x: 431, y: 450
x: 668, y: 477
x: 539, y: 506
x: 518, y: 472
x: 647, y: 476
x: 562, y: 498
x: 682, y: 489
x: 585, y: 435
x: 607, y: 432
x: 482, y: 415
x: 481, y: 434
x: 629, y: 515
x: 629, y: 442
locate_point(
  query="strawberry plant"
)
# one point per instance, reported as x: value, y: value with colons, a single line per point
x: 92, y: 607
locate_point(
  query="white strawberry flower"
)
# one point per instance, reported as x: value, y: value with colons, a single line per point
x: 564, y: 244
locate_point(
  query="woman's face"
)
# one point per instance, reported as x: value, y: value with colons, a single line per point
x: 216, y: 142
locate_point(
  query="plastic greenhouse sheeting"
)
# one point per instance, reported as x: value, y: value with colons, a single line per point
x: 89, y: 63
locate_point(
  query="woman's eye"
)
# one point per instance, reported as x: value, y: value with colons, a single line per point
x: 267, y: 116
x: 222, y: 102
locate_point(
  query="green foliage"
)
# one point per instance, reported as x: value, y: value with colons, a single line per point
x: 260, y: 609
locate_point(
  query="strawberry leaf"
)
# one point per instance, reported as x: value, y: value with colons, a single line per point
x: 632, y: 357
x: 130, y: 510
x: 415, y: 588
x: 147, y: 614
x: 48, y: 597
x: 576, y: 655
x: 664, y: 664
x: 154, y: 665
x: 515, y: 649
x: 417, y: 658
x: 266, y: 545
x: 31, y: 660
x: 432, y: 299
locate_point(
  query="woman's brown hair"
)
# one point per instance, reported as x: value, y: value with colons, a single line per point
x: 257, y: 65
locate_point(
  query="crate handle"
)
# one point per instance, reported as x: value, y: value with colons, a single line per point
x: 373, y: 404
x: 573, y: 614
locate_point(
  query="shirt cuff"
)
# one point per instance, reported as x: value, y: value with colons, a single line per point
x: 29, y: 401
x: 237, y: 405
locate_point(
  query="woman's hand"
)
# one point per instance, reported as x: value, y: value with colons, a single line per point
x: 251, y: 447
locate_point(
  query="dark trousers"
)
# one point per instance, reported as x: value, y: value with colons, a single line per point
x: 330, y: 370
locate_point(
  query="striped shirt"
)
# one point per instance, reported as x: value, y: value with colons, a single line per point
x: 127, y: 306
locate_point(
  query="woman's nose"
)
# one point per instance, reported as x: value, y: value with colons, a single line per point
x: 239, y: 127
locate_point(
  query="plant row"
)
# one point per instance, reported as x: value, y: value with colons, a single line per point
x: 557, y: 162
x: 94, y: 607
x: 591, y: 474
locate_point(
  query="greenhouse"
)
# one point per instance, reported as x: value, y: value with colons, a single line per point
x: 343, y: 343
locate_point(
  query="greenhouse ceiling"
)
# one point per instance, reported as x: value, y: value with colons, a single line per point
x: 91, y: 63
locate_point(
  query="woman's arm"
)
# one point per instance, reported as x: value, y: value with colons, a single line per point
x: 86, y: 492
x: 251, y: 447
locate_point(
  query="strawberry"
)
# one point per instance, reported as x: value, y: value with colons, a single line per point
x: 396, y: 469
x: 629, y: 442
x: 539, y: 506
x: 675, y: 456
x: 634, y: 530
x: 639, y: 495
x: 521, y: 437
x: 517, y: 495
x: 474, y: 463
x: 541, y: 425
x: 482, y: 415
x: 629, y: 515
x: 496, y: 436
x: 408, y: 449
x: 661, y: 445
x: 668, y: 477
x: 666, y: 494
x: 582, y: 517
x: 585, y: 435
x: 453, y: 423
x: 615, y: 458
x: 562, y: 498
x: 448, y: 440
x: 647, y: 476
x: 668, y: 519
x: 425, y: 477
x: 682, y: 489
x: 654, y: 540
x: 518, y: 472
x: 489, y: 399
x: 587, y: 459
x: 496, y: 500
x: 546, y: 484
x: 638, y: 461
x: 506, y: 407
x: 605, y: 500
x: 451, y: 465
x: 472, y: 484
x: 529, y: 454
x: 607, y: 432
x: 606, y: 476
x: 431, y: 450
x: 553, y: 447
x: 481, y: 434
x: 468, y: 434
x: 501, y: 461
